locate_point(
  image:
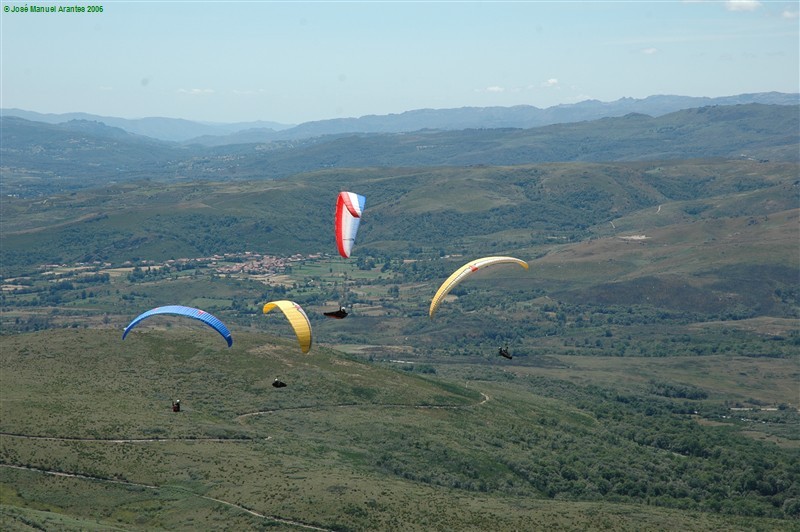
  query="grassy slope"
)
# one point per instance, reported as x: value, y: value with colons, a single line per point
x: 346, y: 446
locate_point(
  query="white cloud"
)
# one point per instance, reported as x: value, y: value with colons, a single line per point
x: 790, y: 15
x: 494, y: 88
x: 196, y: 91
x: 552, y: 82
x: 742, y: 5
x: 650, y: 51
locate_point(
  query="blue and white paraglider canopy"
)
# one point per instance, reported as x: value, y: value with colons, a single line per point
x: 179, y: 310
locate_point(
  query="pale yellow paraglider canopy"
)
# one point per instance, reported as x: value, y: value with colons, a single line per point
x: 297, y: 318
x: 464, y: 272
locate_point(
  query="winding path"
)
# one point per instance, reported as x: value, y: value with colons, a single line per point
x: 484, y: 398
x: 149, y: 486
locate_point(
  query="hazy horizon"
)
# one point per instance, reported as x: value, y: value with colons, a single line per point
x: 291, y: 63
x: 349, y: 117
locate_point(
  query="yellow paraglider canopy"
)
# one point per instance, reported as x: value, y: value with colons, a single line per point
x: 465, y: 271
x: 297, y: 318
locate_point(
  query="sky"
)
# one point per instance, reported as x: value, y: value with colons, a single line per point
x: 293, y: 62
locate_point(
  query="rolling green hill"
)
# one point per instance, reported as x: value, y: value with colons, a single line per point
x: 39, y: 157
x: 89, y: 441
x: 423, y: 207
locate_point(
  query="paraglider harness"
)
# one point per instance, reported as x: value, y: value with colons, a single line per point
x: 337, y: 314
x: 503, y: 352
x: 278, y: 384
x: 176, y: 405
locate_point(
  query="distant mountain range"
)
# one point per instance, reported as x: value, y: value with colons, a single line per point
x: 168, y: 129
x: 42, y: 158
x: 521, y: 116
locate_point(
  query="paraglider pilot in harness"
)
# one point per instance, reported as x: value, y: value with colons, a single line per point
x: 503, y: 352
x: 176, y: 405
x: 337, y: 314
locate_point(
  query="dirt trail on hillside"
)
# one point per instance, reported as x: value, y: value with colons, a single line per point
x: 484, y: 399
x: 149, y: 486
x: 239, y: 418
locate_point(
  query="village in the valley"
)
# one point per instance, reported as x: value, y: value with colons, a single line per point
x: 249, y: 263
